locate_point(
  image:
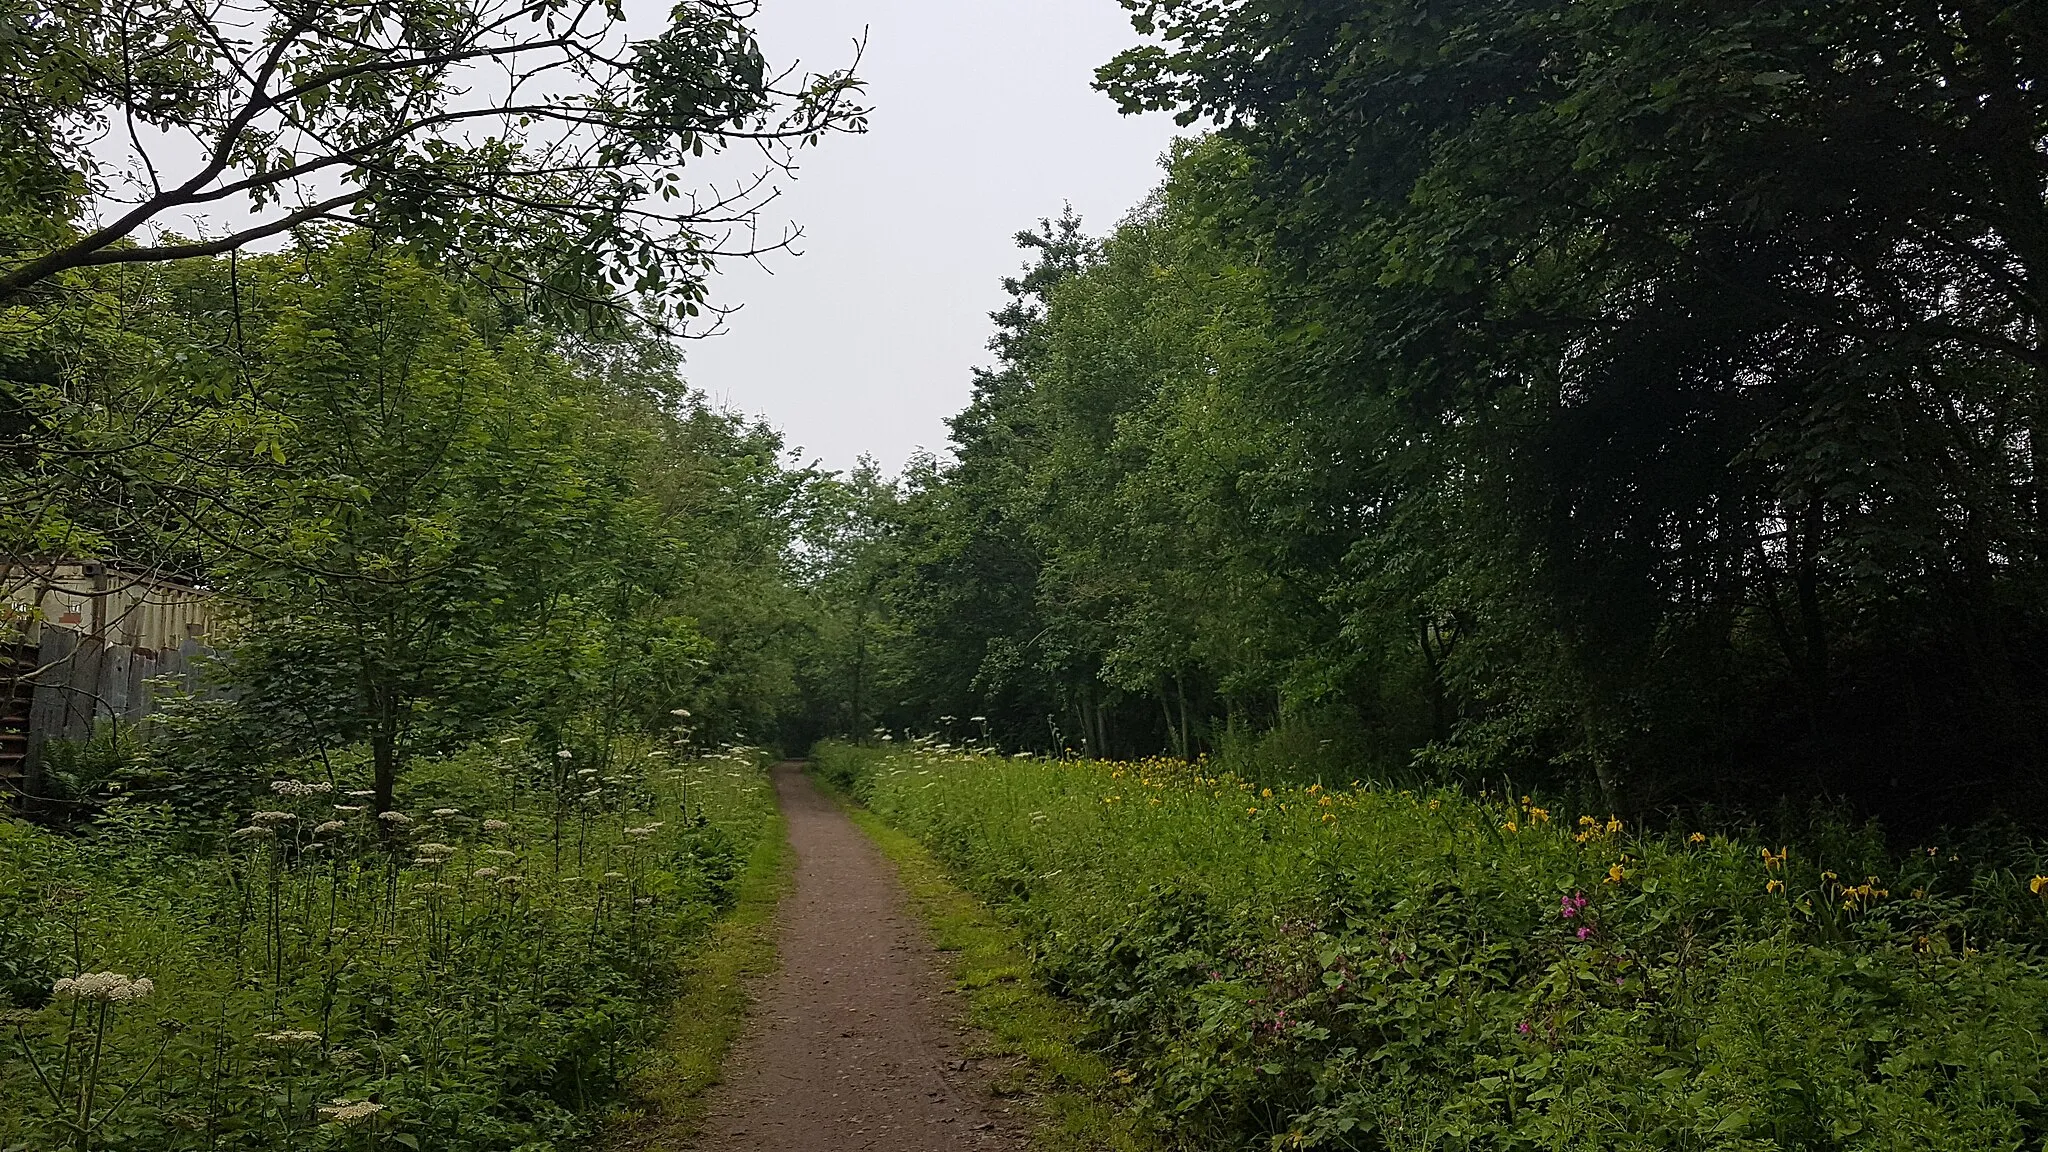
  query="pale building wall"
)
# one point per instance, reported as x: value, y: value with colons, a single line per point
x: 123, y: 607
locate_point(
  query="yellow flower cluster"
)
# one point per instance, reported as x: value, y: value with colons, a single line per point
x: 1863, y: 895
x: 1591, y: 828
x: 1532, y: 815
x: 1774, y: 862
x: 1853, y: 899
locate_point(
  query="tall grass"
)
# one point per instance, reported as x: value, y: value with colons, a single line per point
x: 480, y: 968
x: 1351, y: 967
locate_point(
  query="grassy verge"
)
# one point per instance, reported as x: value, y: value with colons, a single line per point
x: 1076, y: 1094
x: 670, y: 1093
x: 1347, y: 968
x: 170, y: 983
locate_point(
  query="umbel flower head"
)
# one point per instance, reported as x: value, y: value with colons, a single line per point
x: 111, y: 987
x: 289, y: 1036
x: 300, y: 788
x: 346, y: 1111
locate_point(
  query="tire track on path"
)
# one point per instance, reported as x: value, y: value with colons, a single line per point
x: 854, y: 1043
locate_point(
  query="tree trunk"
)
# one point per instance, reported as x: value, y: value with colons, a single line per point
x: 1603, y: 772
x: 1433, y: 687
x: 384, y: 737
x: 1180, y: 689
x: 1812, y: 621
x: 384, y: 765
x: 1101, y: 731
x: 855, y: 723
x: 1173, y: 739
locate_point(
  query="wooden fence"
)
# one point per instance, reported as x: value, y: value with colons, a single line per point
x: 81, y: 681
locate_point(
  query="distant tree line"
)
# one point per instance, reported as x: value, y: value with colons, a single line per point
x: 1641, y: 397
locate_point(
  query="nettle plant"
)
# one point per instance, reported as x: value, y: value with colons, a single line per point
x: 476, y: 968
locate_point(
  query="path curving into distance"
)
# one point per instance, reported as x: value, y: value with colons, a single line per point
x: 854, y: 1043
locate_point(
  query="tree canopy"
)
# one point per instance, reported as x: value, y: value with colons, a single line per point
x: 1644, y: 396
x: 534, y: 143
x: 1641, y: 398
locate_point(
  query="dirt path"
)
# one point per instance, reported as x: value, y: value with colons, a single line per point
x: 854, y: 1043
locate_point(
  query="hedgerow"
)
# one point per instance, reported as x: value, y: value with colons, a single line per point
x: 1362, y: 968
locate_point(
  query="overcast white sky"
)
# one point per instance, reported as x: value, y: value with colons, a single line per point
x: 984, y: 121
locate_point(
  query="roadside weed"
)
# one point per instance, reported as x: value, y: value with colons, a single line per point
x: 482, y: 967
x: 1341, y: 966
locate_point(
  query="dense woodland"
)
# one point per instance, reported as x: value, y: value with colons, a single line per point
x: 1642, y: 399
x: 1628, y: 398
x: 1635, y: 408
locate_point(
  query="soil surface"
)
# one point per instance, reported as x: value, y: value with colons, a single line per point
x: 855, y: 1042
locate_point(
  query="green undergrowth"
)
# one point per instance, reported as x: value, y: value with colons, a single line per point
x: 1362, y: 968
x: 669, y: 1095
x: 488, y: 968
x: 1079, y: 1097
